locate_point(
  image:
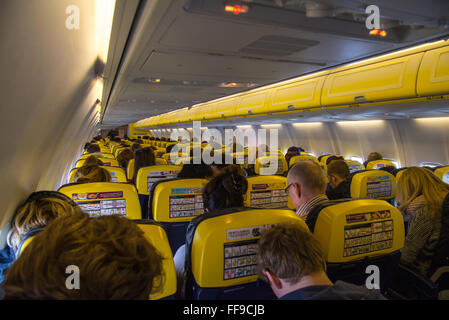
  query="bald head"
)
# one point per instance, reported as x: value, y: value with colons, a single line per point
x: 309, y: 176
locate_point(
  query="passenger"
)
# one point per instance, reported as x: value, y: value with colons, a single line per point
x: 218, y: 167
x: 92, y: 160
x: 35, y: 213
x: 337, y: 174
x: 290, y: 259
x: 199, y: 171
x: 124, y: 157
x: 94, y: 173
x: 373, y: 156
x: 93, y: 148
x: 389, y: 169
x: 292, y: 152
x: 420, y: 195
x: 144, y: 157
x: 306, y: 187
x: 114, y: 259
x: 223, y: 191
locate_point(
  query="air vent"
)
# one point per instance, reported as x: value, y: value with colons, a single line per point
x: 278, y: 46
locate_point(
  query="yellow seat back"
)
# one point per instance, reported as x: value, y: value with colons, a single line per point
x: 117, y: 174
x: 224, y: 247
x: 266, y: 192
x: 147, y: 176
x: 379, y: 164
x: 105, y: 198
x: 354, y: 229
x: 374, y: 184
x: 160, y: 161
x: 156, y: 235
x: 179, y: 200
x: 130, y: 170
x: 102, y: 154
x: 324, y: 158
x: 302, y: 157
x: 106, y: 163
x: 443, y: 173
x: 262, y: 166
x: 354, y: 166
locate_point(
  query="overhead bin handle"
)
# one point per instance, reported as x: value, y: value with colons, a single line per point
x: 359, y: 99
x: 291, y: 107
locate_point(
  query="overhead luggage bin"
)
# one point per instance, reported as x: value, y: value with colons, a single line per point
x: 252, y: 103
x: 225, y: 108
x: 297, y: 94
x: 433, y: 76
x: 369, y: 82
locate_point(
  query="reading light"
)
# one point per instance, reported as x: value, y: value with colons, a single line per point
x: 236, y: 9
x: 377, y: 32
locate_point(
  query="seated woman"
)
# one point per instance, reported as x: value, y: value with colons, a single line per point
x: 144, y: 157
x: 124, y: 157
x: 35, y: 213
x: 92, y: 160
x: 200, y: 171
x: 421, y: 194
x: 93, y: 173
x: 224, y: 191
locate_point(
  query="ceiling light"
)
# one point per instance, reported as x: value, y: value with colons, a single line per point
x: 236, y: 9
x: 303, y: 124
x: 274, y: 125
x: 361, y: 122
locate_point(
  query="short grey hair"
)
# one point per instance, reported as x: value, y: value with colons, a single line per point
x: 309, y: 175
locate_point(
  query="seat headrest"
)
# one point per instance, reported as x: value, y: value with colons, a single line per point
x: 443, y: 173
x: 352, y: 229
x: 117, y: 174
x: 302, y: 157
x: 374, y: 184
x: 376, y: 164
x: 266, y: 192
x: 354, y: 166
x: 106, y: 163
x: 262, y: 166
x: 221, y: 246
x: 105, y: 198
x: 147, y: 176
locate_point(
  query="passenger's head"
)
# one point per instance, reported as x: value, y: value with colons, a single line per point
x: 332, y: 158
x: 93, y: 148
x: 389, y: 169
x: 123, y: 158
x: 113, y: 258
x: 374, y: 156
x: 36, y: 212
x: 286, y: 254
x: 144, y: 157
x: 305, y: 180
x: 218, y: 167
x: 92, y: 160
x: 200, y: 171
x: 415, y: 182
x: 92, y: 173
x: 337, y: 172
x: 225, y: 190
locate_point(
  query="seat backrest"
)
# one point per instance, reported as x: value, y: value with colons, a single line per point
x: 262, y: 166
x: 374, y: 184
x: 266, y: 192
x: 221, y: 250
x: 160, y: 161
x: 302, y: 157
x: 155, y: 234
x: 147, y: 176
x: 130, y: 170
x: 102, y: 154
x: 106, y: 163
x: 354, y: 166
x: 105, y: 198
x: 323, y: 159
x: 355, y: 234
x: 376, y: 164
x: 117, y: 174
x: 443, y: 173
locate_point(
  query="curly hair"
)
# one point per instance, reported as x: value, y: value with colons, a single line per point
x: 114, y: 259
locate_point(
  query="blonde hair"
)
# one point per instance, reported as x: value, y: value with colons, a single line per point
x: 114, y: 258
x: 88, y: 174
x: 374, y: 156
x: 36, y: 212
x: 415, y: 182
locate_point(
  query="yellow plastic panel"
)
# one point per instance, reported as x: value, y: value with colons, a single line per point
x: 225, y: 108
x: 178, y: 201
x: 390, y: 79
x: 354, y: 166
x: 374, y: 184
x: 158, y: 238
x: 102, y: 155
x: 296, y: 159
x: 266, y: 192
x: 105, y: 198
x: 252, y: 103
x: 354, y: 229
x: 433, y: 76
x: 130, y: 171
x: 106, y: 163
x: 117, y: 174
x: 300, y: 93
x: 214, y: 234
x: 324, y: 158
x: 149, y: 175
x: 377, y: 164
x: 443, y: 173
x: 262, y: 166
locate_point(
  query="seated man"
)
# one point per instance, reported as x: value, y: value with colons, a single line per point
x: 306, y: 187
x: 337, y: 173
x: 373, y: 156
x: 78, y: 257
x: 290, y: 259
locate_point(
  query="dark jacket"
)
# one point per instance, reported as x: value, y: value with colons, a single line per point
x: 342, y: 191
x: 339, y: 291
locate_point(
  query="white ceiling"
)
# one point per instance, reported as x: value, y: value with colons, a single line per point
x: 193, y: 47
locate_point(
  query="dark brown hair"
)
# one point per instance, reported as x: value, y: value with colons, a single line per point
x: 143, y: 158
x: 339, y: 168
x: 123, y: 158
